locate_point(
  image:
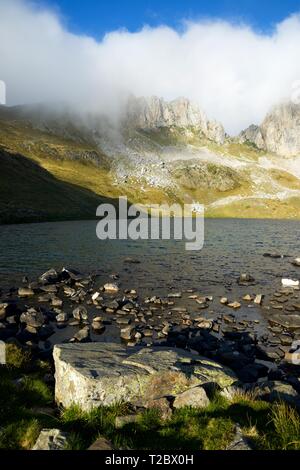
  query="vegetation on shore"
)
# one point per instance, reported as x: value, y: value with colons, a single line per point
x: 27, y: 406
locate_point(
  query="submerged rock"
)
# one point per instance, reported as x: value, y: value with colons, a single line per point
x: 97, y: 374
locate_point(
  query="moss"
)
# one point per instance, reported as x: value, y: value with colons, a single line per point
x: 17, y: 357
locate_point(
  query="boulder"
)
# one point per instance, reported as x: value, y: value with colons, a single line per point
x: 194, y: 397
x: 95, y: 374
x: 51, y: 439
x: 275, y: 390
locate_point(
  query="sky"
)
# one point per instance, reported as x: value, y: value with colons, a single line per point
x: 97, y: 17
x: 233, y: 59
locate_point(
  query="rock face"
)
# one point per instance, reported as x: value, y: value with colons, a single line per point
x: 154, y: 112
x: 96, y: 374
x: 279, y: 132
x: 253, y: 135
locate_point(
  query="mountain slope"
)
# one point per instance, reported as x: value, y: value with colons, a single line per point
x: 158, y: 152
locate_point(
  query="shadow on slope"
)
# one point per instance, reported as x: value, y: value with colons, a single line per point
x: 29, y: 193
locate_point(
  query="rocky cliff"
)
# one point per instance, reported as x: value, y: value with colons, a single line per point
x: 279, y: 132
x: 154, y: 112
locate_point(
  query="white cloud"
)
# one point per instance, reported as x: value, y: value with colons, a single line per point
x: 234, y: 73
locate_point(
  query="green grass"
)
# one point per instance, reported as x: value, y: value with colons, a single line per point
x: 25, y: 399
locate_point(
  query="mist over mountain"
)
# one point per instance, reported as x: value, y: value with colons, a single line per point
x: 232, y: 72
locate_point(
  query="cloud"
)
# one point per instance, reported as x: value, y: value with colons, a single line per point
x: 233, y: 72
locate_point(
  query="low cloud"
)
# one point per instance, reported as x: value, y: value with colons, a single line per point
x: 234, y: 73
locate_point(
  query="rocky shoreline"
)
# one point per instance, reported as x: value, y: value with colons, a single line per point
x: 68, y: 301
x: 165, y: 353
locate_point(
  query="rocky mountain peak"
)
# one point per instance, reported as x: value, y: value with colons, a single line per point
x: 279, y: 132
x: 153, y: 113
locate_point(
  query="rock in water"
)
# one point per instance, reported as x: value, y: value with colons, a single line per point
x: 51, y: 439
x: 290, y: 283
x: 111, y: 287
x: 95, y: 374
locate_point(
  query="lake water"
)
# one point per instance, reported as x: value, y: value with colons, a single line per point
x: 232, y: 246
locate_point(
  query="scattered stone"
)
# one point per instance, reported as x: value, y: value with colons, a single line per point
x: 224, y: 300
x: 205, y: 324
x: 273, y: 255
x: 245, y: 279
x: 234, y: 305
x: 80, y: 313
x: 175, y: 295
x: 95, y: 296
x: 82, y: 335
x: 194, y: 397
x: 56, y: 302
x: 51, y: 439
x: 127, y: 333
x: 258, y: 299
x: 49, y: 277
x: 3, y: 311
x: 289, y: 283
x: 32, y: 318
x: 62, y: 317
x: 25, y: 292
x: 239, y: 441
x: 111, y: 287
x: 247, y: 297
x: 296, y: 262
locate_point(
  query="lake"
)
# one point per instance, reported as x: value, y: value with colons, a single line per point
x: 232, y: 246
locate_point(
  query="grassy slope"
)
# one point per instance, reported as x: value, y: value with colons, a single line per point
x: 47, y: 177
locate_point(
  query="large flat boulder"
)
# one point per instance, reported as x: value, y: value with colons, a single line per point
x: 94, y: 374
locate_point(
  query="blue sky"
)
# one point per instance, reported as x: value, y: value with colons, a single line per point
x: 96, y: 17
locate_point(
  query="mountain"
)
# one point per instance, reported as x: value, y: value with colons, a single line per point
x: 279, y: 132
x: 154, y: 113
x: 56, y: 164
